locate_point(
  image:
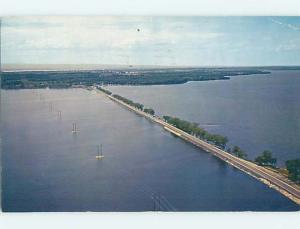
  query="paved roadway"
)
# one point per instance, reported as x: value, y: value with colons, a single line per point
x: 250, y: 167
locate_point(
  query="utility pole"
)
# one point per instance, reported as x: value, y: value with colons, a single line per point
x: 50, y: 106
x: 154, y: 201
x: 59, y: 114
x: 74, y: 129
x: 159, y: 201
x: 99, y: 152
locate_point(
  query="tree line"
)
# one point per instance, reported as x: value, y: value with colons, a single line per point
x: 128, y: 101
x: 194, y: 129
x: 104, y: 90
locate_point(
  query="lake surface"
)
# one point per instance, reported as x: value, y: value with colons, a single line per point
x: 47, y: 168
x: 255, y: 112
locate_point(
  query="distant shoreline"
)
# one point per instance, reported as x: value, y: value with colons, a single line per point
x: 155, y: 76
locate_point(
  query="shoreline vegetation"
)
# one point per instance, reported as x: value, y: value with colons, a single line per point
x: 131, y: 76
x: 266, y: 159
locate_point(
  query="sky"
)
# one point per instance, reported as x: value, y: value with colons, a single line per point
x: 172, y: 41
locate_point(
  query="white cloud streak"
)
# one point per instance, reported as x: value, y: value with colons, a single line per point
x: 290, y: 26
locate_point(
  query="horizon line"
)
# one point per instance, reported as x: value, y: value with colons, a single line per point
x: 11, y: 67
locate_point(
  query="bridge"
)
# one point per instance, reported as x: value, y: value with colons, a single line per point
x: 270, y: 178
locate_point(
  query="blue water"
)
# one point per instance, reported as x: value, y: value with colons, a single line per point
x: 47, y: 168
x: 255, y: 112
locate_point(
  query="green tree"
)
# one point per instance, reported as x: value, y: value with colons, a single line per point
x: 149, y: 111
x: 138, y: 106
x: 194, y: 129
x: 219, y: 140
x: 237, y: 151
x: 266, y: 159
x: 293, y: 166
x: 104, y: 90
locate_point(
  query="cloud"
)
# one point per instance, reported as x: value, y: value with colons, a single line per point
x: 290, y: 26
x: 148, y: 40
x: 291, y: 45
x: 93, y: 33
